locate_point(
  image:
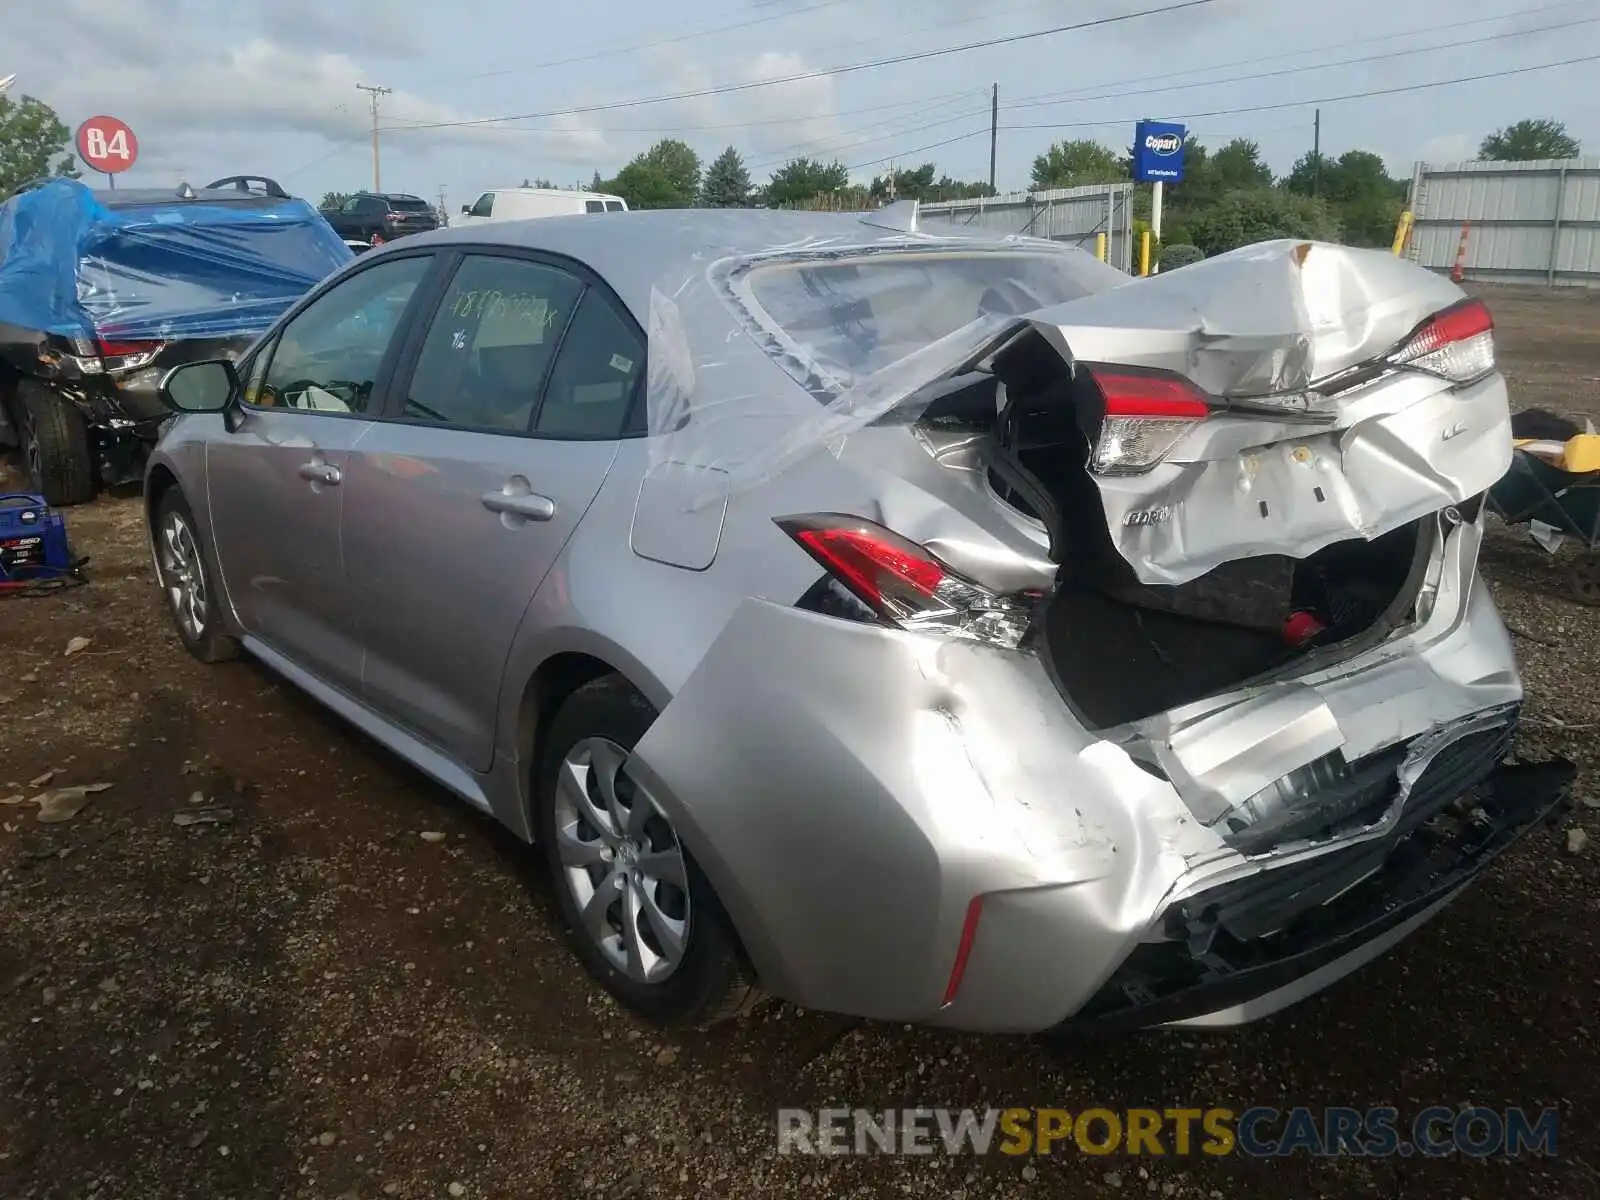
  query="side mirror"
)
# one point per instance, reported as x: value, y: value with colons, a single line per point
x: 466, y: 210
x: 207, y: 386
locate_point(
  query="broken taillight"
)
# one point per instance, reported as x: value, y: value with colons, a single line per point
x: 1455, y: 344
x: 903, y: 584
x: 1146, y: 414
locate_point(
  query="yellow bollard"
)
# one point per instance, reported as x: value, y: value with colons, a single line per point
x: 1144, y: 253
x: 1402, y: 232
x: 1100, y: 246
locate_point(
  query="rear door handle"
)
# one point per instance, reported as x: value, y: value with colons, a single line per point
x: 529, y: 505
x: 321, y: 472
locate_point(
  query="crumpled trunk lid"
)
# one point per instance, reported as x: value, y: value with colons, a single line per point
x: 1282, y: 327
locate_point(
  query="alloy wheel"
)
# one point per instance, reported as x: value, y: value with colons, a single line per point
x: 621, y: 863
x: 183, y: 575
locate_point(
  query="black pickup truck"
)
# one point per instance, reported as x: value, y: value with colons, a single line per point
x: 378, y: 217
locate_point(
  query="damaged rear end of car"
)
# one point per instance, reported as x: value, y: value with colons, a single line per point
x: 1180, y: 577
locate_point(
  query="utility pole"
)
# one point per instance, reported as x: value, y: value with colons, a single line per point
x: 1316, y: 154
x: 374, y: 93
x: 994, y: 128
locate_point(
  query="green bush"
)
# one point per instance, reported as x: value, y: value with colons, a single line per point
x: 1173, y: 257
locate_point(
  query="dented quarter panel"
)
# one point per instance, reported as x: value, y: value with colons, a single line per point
x: 884, y: 779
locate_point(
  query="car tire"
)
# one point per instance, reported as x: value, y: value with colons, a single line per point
x: 186, y: 580
x: 55, y: 445
x: 709, y: 981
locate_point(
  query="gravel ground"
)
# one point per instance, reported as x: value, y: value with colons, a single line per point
x: 336, y: 982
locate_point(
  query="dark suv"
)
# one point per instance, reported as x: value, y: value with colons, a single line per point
x: 379, y: 217
x: 102, y: 291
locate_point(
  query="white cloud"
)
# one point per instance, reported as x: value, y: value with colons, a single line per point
x: 194, y: 95
x: 1447, y: 147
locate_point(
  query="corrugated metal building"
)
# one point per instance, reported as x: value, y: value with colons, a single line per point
x: 1061, y: 214
x: 1527, y: 222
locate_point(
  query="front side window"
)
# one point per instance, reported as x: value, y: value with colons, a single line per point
x: 485, y: 205
x: 328, y: 356
x: 485, y: 356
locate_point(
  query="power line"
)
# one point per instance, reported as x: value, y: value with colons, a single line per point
x: 872, y: 64
x: 1086, y: 92
x: 1142, y: 92
x: 1310, y: 102
x: 1345, y: 62
x: 936, y: 99
x: 1252, y: 108
x: 1082, y: 92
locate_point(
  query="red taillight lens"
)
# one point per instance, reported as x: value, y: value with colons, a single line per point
x: 112, y: 347
x: 905, y: 585
x: 1456, y: 344
x: 1147, y: 413
x: 896, y: 577
x: 394, y: 216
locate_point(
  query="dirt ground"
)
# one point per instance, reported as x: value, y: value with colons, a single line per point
x: 311, y: 998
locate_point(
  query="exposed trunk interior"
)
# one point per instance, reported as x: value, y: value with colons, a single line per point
x: 1122, y: 655
x: 1122, y: 650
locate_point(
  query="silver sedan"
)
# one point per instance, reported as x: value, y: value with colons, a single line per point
x: 909, y: 622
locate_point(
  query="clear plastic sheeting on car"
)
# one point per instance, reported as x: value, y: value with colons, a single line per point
x: 74, y: 267
x: 860, y: 321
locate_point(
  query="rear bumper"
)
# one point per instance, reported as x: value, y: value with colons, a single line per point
x: 850, y: 790
x: 1242, y: 951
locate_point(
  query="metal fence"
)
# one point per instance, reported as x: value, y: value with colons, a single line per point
x: 1061, y: 214
x: 1527, y: 222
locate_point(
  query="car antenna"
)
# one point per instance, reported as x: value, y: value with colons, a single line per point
x: 185, y: 192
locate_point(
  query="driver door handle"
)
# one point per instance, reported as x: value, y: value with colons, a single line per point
x: 319, y: 472
x: 533, y: 507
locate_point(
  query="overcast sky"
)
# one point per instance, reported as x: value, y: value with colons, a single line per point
x: 215, y: 87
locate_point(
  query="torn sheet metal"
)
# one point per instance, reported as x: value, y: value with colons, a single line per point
x: 861, y: 319
x: 1275, y: 321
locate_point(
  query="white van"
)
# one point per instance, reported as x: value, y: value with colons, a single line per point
x: 518, y: 204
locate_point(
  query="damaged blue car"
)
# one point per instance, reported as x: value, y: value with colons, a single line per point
x: 101, y: 292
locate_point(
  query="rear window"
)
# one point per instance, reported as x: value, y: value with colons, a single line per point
x: 614, y: 206
x: 593, y: 206
x: 409, y: 204
x: 855, y: 316
x: 148, y: 272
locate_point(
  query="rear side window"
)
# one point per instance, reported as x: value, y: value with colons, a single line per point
x: 600, y: 365
x: 485, y: 206
x: 594, y: 206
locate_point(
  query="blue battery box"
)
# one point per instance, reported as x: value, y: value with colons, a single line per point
x: 33, y: 544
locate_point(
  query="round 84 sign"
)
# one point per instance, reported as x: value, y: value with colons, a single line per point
x: 107, y: 144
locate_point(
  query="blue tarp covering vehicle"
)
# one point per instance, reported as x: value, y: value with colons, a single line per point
x: 102, y: 292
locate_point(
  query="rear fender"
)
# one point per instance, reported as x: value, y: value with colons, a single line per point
x: 848, y: 789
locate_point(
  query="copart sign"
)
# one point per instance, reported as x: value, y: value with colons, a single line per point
x: 1158, y: 152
